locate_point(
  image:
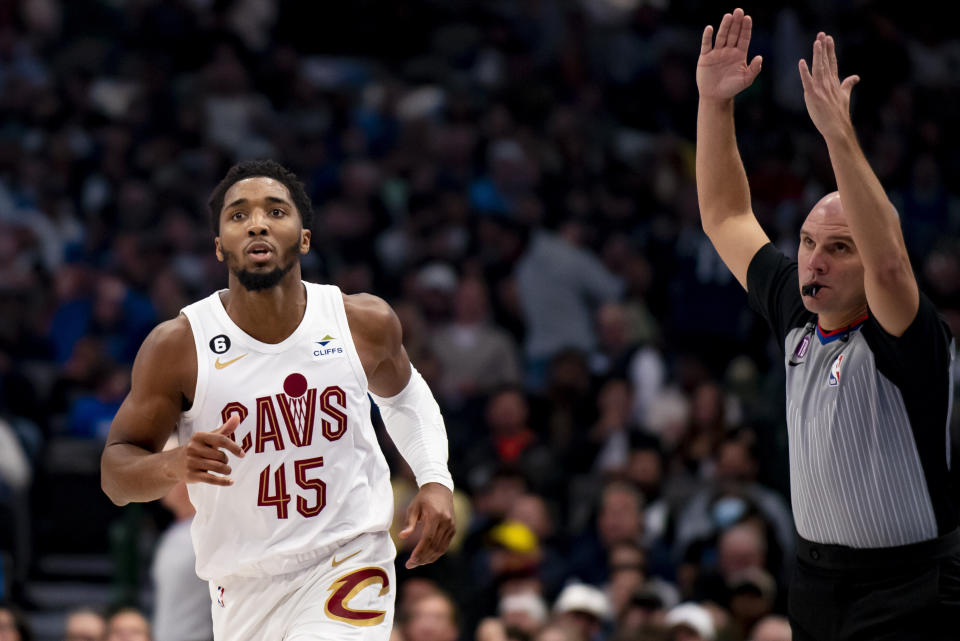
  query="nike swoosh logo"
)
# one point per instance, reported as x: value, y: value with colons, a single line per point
x: 335, y: 563
x: 792, y: 364
x: 220, y: 365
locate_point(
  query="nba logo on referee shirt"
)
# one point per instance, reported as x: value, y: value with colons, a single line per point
x: 835, y: 371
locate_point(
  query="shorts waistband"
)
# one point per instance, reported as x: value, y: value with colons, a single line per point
x: 843, y: 557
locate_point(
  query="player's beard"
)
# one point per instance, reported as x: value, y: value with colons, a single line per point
x: 259, y: 281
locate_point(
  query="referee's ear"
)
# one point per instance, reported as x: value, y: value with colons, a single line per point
x: 218, y: 250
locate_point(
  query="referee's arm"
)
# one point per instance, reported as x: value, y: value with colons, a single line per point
x: 891, y: 289
x: 722, y: 188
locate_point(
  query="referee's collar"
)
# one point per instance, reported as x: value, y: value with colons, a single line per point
x: 829, y: 337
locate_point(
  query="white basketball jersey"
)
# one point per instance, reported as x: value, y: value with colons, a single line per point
x: 313, y: 475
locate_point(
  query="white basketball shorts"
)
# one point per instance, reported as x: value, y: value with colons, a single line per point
x: 347, y: 596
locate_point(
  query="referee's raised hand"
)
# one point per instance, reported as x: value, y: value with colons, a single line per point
x: 722, y: 70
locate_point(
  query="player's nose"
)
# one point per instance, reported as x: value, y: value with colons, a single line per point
x: 257, y: 223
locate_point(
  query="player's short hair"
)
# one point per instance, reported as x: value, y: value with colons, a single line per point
x: 268, y: 169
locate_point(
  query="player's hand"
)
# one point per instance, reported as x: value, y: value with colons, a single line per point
x: 433, y: 506
x: 204, y: 453
x: 722, y: 70
x: 828, y: 99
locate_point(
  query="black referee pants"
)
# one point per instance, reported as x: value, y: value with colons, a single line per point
x: 908, y: 593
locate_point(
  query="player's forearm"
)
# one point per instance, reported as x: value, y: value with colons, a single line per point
x: 722, y: 187
x: 131, y: 474
x: 873, y: 220
x: 414, y: 422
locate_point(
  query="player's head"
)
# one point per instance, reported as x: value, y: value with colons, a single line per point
x: 261, y: 216
x: 828, y: 261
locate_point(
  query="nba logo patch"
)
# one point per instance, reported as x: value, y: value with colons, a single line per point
x: 220, y: 591
x: 834, y: 379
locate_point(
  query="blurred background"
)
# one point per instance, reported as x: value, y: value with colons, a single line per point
x: 516, y: 178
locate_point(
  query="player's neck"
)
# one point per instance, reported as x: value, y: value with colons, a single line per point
x: 268, y: 315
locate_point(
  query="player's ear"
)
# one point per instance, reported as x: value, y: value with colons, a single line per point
x: 304, y: 241
x: 219, y: 250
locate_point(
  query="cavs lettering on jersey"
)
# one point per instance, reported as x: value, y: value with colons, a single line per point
x: 313, y: 475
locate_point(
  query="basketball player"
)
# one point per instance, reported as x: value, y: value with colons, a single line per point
x: 867, y: 362
x: 266, y: 383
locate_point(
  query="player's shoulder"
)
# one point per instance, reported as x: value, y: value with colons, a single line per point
x: 368, y: 306
x: 169, y: 339
x: 370, y: 316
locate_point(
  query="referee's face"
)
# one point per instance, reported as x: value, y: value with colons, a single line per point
x: 829, y: 261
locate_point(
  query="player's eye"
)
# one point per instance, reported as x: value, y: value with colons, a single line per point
x: 277, y: 212
x: 237, y: 215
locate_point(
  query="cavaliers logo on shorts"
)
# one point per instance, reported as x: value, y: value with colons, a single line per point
x: 347, y: 587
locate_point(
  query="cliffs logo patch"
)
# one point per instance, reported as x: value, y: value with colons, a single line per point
x: 834, y: 379
x: 326, y: 347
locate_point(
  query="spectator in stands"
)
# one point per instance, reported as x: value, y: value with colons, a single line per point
x: 559, y: 284
x: 13, y: 624
x: 772, y: 628
x: 128, y: 624
x: 584, y: 609
x: 85, y: 624
x: 690, y: 622
x: 522, y: 614
x: 619, y: 519
x: 476, y: 357
x: 432, y: 618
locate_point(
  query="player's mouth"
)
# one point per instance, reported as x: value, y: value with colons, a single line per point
x: 812, y: 289
x: 259, y: 251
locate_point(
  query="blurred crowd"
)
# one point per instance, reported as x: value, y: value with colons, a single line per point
x: 516, y: 178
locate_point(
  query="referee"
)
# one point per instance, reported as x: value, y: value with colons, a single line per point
x: 867, y: 364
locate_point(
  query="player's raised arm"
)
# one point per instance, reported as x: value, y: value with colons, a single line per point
x: 412, y: 418
x: 133, y: 468
x: 722, y: 188
x: 891, y: 288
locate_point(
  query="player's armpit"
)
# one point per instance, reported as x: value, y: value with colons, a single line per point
x: 737, y: 239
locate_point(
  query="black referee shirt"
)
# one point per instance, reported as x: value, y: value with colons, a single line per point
x: 868, y: 418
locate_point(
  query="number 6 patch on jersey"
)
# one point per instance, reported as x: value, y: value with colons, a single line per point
x: 347, y: 587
